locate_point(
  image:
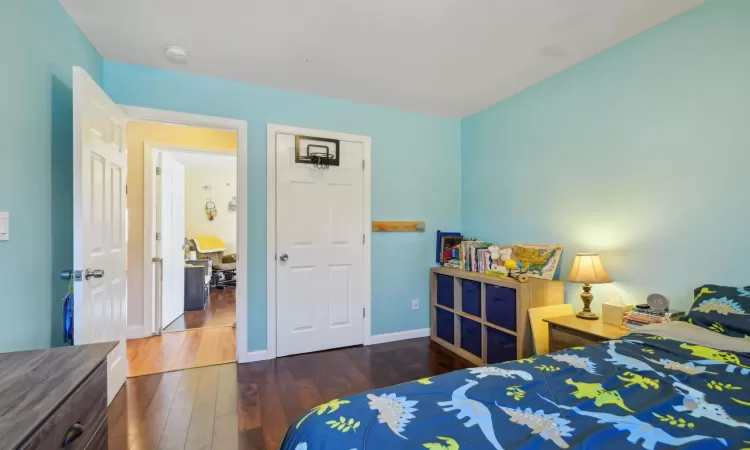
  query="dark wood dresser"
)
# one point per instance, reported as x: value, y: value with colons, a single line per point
x: 50, y: 397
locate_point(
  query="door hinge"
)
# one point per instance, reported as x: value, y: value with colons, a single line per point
x: 363, y: 239
x: 363, y: 313
x: 158, y: 236
x: 363, y: 165
x: 158, y: 170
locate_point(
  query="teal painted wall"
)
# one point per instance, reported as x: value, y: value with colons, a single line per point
x: 415, y: 176
x: 641, y: 153
x: 40, y: 44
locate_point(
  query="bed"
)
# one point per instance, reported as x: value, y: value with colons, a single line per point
x: 670, y: 385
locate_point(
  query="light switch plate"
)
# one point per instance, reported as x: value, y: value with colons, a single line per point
x: 4, y: 226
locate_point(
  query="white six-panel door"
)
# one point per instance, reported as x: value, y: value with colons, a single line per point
x: 171, y: 203
x: 99, y: 241
x: 319, y: 222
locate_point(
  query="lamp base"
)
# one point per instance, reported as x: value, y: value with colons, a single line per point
x: 588, y: 315
x: 587, y: 297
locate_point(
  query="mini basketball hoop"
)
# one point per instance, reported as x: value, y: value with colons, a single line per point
x: 320, y: 152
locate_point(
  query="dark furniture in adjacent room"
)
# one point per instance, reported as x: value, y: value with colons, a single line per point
x: 196, y: 288
x: 54, y: 398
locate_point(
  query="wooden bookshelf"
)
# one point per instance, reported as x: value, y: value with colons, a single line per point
x: 485, y: 319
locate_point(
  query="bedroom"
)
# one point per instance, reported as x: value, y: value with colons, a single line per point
x: 619, y: 130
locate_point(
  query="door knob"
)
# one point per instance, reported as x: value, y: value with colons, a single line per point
x: 93, y: 273
x: 284, y: 257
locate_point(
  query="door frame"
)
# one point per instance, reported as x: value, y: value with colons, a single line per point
x: 272, y: 131
x: 142, y: 114
x: 153, y: 310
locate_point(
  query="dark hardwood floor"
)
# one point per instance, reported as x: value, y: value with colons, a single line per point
x: 221, y: 311
x: 250, y: 406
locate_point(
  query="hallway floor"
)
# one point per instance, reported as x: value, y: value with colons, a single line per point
x: 221, y: 311
x: 250, y: 406
x: 195, y: 339
x: 181, y: 350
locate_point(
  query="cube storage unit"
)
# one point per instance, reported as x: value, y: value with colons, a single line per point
x: 485, y: 319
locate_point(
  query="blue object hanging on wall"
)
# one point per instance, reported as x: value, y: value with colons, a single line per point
x: 68, y: 316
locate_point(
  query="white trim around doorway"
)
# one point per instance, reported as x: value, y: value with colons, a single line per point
x: 240, y: 127
x: 272, y: 131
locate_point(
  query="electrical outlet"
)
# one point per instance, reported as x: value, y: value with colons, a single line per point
x: 415, y: 304
x: 4, y: 226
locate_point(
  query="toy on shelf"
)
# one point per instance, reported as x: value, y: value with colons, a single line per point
x: 520, y: 270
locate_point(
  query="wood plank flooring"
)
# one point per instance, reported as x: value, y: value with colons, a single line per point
x: 250, y: 406
x: 192, y: 409
x: 221, y: 311
x: 182, y: 350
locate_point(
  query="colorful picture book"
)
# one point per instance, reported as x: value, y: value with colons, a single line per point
x: 539, y: 260
x: 447, y: 247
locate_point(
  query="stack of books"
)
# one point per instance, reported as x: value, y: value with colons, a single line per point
x: 474, y: 256
x: 643, y: 315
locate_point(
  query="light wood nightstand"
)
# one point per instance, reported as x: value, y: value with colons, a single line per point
x: 570, y: 331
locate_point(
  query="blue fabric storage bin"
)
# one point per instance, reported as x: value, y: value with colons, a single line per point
x: 471, y: 297
x: 501, y: 306
x: 471, y: 336
x: 501, y: 346
x: 444, y: 324
x: 445, y: 290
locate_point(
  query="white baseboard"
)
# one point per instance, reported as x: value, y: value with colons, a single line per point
x: 135, y: 332
x: 260, y: 355
x: 399, y: 336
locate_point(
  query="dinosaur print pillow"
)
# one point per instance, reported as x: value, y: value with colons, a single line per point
x: 722, y: 309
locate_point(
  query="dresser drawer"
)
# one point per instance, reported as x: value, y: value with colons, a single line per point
x: 99, y: 441
x: 560, y: 338
x: 87, y: 406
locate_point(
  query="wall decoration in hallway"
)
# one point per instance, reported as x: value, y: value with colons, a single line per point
x: 211, y: 211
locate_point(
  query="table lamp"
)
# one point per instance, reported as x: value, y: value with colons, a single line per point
x: 588, y: 269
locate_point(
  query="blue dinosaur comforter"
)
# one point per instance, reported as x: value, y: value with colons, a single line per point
x: 643, y: 391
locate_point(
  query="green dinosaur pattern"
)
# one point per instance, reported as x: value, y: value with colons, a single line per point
x: 446, y: 444
x: 714, y: 355
x: 634, y: 379
x: 600, y: 395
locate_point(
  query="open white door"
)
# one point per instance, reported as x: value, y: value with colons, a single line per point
x: 319, y: 232
x: 99, y: 242
x: 171, y: 225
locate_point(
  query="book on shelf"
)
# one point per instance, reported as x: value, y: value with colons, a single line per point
x: 637, y: 318
x: 652, y: 312
x: 448, y: 246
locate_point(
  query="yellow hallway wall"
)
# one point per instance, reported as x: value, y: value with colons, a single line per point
x: 138, y: 133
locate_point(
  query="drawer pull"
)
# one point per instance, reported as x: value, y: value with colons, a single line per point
x: 74, y: 432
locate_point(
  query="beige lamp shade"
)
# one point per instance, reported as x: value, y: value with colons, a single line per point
x: 588, y: 268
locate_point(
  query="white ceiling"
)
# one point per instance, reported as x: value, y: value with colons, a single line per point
x: 443, y: 57
x: 205, y: 161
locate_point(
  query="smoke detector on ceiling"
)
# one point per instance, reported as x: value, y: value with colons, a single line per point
x: 176, y: 54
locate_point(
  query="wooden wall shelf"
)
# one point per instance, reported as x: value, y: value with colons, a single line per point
x: 396, y: 226
x: 485, y: 319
